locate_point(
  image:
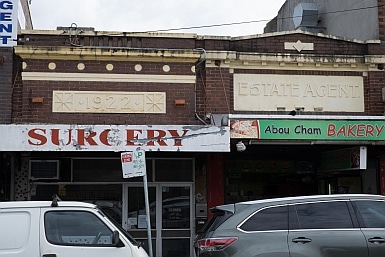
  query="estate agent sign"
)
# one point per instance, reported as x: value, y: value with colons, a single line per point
x: 271, y: 92
x: 8, y: 23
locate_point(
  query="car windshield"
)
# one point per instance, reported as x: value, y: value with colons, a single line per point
x: 127, y: 235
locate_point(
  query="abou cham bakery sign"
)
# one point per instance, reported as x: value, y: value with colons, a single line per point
x: 308, y: 129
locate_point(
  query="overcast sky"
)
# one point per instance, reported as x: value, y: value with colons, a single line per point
x: 157, y: 15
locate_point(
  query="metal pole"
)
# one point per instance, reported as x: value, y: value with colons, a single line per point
x: 147, y: 215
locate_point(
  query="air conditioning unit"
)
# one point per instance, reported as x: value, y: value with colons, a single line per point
x: 43, y: 169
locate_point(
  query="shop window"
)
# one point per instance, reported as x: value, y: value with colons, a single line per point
x: 107, y: 197
x: 174, y: 170
x: 44, y: 169
x: 94, y: 170
x: 110, y: 170
x: 101, y: 170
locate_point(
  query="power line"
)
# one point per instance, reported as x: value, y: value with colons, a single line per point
x: 210, y: 26
x: 257, y: 21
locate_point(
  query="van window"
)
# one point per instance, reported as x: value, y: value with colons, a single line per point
x: 12, y: 236
x: 371, y: 214
x: 76, y: 228
x: 275, y: 218
x: 324, y: 215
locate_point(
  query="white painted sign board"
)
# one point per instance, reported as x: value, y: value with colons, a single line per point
x: 8, y: 23
x: 133, y: 164
x: 117, y: 138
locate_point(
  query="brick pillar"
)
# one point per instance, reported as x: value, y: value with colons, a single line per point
x: 215, y: 180
x: 6, y: 75
x: 381, y: 19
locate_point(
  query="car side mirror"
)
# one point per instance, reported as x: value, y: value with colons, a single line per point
x: 116, y: 240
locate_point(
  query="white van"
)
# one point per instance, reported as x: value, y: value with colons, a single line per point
x: 62, y: 229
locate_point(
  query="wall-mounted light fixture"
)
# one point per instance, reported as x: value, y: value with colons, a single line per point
x: 240, y: 146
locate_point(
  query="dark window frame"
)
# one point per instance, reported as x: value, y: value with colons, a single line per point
x: 296, y: 223
x: 54, y: 225
x: 359, y: 213
x: 247, y: 224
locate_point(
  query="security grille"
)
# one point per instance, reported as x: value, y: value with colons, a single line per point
x: 44, y: 169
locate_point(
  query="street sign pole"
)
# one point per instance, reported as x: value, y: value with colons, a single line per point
x: 147, y: 214
x: 134, y: 165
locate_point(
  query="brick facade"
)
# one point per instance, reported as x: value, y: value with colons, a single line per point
x: 196, y: 73
x: 274, y: 44
x: 42, y: 112
x: 212, y: 92
x: 212, y: 61
x: 374, y: 101
x: 381, y: 19
x: 6, y: 84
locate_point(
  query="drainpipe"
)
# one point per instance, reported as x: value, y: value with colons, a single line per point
x: 203, y: 59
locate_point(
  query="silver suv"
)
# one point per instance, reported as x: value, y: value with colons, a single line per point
x: 316, y: 226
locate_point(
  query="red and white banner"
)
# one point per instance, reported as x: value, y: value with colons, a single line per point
x: 59, y: 137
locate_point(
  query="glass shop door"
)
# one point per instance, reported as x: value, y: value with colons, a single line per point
x: 171, y: 217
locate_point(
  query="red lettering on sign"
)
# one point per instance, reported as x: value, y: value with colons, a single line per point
x: 355, y: 130
x: 351, y: 129
x: 159, y: 134
x: 132, y: 135
x: 55, y: 137
x: 178, y: 138
x: 370, y: 131
x: 104, y: 137
x: 39, y: 138
x: 341, y: 131
x: 379, y: 129
x: 82, y: 137
x: 127, y: 157
x: 331, y: 130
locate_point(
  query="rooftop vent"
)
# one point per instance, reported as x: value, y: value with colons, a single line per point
x: 305, y: 15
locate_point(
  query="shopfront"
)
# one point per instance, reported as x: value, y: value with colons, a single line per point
x: 48, y: 162
x: 289, y: 156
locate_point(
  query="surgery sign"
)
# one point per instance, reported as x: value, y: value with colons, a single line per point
x: 8, y: 23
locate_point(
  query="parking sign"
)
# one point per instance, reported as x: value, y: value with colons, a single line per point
x: 133, y: 164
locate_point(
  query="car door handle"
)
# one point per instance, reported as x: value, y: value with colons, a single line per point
x: 377, y: 240
x: 302, y: 240
x: 49, y: 255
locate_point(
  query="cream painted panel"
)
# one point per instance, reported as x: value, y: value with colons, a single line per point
x: 103, y: 77
x: 108, y: 102
x: 266, y: 92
